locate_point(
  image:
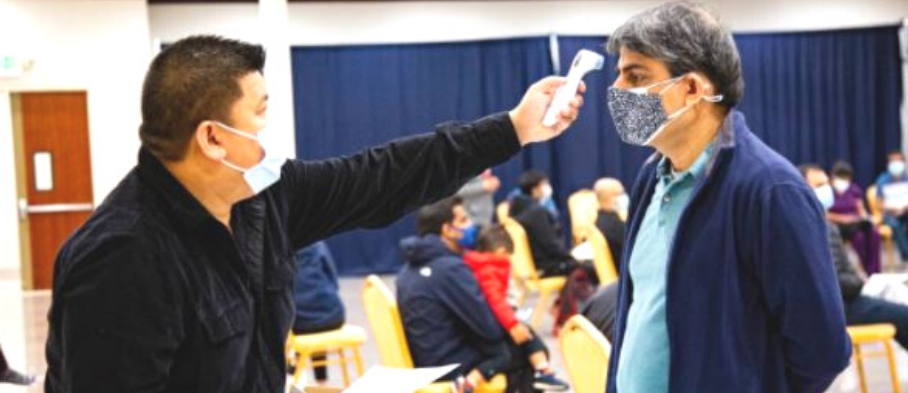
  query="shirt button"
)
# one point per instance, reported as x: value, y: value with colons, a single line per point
x: 667, y: 199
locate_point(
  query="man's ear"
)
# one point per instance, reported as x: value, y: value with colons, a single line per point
x: 210, y: 141
x: 697, y: 86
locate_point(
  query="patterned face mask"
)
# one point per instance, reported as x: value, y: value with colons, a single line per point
x: 639, y: 115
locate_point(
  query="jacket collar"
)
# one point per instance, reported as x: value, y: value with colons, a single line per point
x: 186, y: 208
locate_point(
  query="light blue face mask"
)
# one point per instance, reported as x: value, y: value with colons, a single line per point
x: 825, y: 195
x: 262, y: 175
x: 623, y: 203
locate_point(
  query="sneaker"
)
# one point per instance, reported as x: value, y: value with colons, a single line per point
x: 16, y: 378
x: 548, y: 382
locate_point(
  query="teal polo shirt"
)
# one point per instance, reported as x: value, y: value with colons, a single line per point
x: 644, y: 361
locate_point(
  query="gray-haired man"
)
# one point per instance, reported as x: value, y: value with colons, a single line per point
x: 726, y: 280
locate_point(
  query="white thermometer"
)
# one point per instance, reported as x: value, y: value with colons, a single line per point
x: 584, y: 62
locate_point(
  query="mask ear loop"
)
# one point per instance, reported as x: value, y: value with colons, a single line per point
x: 645, y: 89
x: 713, y: 98
x: 673, y: 116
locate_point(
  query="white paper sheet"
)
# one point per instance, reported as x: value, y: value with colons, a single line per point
x: 396, y: 380
x: 895, y: 195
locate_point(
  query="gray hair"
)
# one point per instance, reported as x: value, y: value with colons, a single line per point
x: 686, y: 37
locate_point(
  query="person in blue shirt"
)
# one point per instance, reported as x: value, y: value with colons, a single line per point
x: 316, y: 295
x: 727, y: 283
x: 896, y: 217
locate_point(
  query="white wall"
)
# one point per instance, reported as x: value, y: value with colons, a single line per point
x: 346, y: 23
x: 99, y: 46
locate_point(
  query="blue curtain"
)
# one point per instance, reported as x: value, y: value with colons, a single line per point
x: 348, y: 98
x: 814, y: 97
x: 823, y: 96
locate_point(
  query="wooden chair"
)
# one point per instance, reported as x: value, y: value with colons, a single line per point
x: 502, y: 211
x: 338, y: 341
x: 384, y: 318
x: 869, y: 334
x: 602, y: 257
x: 586, y: 355
x: 876, y: 211
x: 523, y: 268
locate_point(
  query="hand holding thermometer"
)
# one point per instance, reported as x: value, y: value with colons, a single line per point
x: 584, y: 62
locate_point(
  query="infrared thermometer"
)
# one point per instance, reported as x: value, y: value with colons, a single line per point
x: 584, y: 62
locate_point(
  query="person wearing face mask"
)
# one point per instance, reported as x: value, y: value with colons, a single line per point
x: 613, y: 204
x: 182, y: 279
x: 850, y: 216
x: 478, y: 195
x: 445, y: 315
x: 533, y: 207
x: 726, y: 281
x: 543, y: 227
x: 859, y: 309
x: 892, y: 192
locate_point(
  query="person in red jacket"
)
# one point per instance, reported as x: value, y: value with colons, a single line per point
x: 491, y: 265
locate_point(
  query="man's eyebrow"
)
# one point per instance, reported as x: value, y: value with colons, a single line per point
x: 629, y: 67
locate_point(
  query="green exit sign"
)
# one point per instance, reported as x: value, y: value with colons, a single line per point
x: 10, y: 66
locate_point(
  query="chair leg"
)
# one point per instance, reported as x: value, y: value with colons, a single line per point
x: 859, y: 360
x: 343, y: 364
x: 358, y: 361
x: 893, y: 371
x: 541, y: 306
x: 302, y: 359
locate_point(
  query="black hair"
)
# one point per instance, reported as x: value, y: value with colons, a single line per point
x: 530, y: 180
x: 431, y: 218
x: 193, y: 80
x: 493, y: 237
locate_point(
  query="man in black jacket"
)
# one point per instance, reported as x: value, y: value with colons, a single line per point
x: 859, y: 309
x: 544, y: 231
x: 181, y: 281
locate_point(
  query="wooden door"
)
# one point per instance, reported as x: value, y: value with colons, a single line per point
x: 57, y: 162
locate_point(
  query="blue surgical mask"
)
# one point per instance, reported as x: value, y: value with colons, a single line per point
x: 896, y: 168
x: 825, y: 195
x: 262, y: 175
x: 469, y: 236
x: 639, y: 115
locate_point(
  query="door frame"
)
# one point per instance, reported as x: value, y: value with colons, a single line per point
x: 21, y: 179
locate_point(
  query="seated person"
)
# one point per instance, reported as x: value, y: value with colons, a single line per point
x: 491, y: 265
x: 601, y: 308
x: 613, y: 205
x: 445, y: 316
x: 859, y: 309
x: 315, y: 294
x: 892, y: 191
x: 547, y: 245
x: 543, y: 228
x: 850, y: 216
x: 477, y: 197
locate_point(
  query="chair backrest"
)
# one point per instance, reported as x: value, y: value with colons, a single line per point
x: 502, y: 211
x: 583, y: 208
x: 386, y: 324
x: 873, y: 203
x: 586, y: 355
x: 602, y: 257
x: 522, y: 265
